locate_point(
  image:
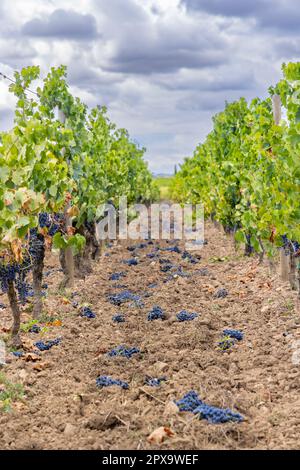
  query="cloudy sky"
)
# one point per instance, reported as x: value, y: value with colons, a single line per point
x: 163, y: 67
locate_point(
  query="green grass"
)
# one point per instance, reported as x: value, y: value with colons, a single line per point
x: 9, y: 393
x: 164, y: 184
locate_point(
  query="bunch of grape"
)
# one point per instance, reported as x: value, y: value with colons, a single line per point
x: 131, y: 262
x: 117, y: 276
x: 105, y: 381
x: 226, y: 343
x: 123, y: 297
x: 86, y: 312
x: 48, y: 345
x: 44, y: 220
x: 18, y: 354
x: 189, y: 402
x: 131, y: 248
x: 289, y: 245
x: 221, y: 294
x: 154, y: 382
x: 234, y: 334
x: 118, y: 319
x: 188, y: 256
x: 123, y: 351
x: 167, y: 267
x: 216, y: 415
x: 35, y: 329
x: 52, y: 222
x: 156, y: 313
x: 185, y: 316
x: 36, y: 245
x: 173, y: 249
x: 8, y: 274
x: 16, y: 273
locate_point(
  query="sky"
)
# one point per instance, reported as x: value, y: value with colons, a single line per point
x: 162, y: 67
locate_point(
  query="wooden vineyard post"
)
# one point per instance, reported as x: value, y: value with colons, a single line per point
x: 67, y: 255
x: 284, y: 252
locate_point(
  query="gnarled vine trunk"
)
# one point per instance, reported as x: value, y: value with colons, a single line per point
x: 13, y: 302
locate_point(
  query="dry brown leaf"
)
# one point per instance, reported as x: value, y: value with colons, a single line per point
x: 71, y: 231
x: 73, y: 211
x: 5, y: 329
x: 31, y: 358
x: 54, y: 323
x: 16, y: 248
x: 159, y: 435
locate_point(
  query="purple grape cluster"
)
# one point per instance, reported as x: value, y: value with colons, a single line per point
x: 152, y: 255
x: 192, y: 403
x: 35, y: 329
x: 173, y: 249
x: 16, y: 273
x: 131, y: 262
x: 189, y: 402
x: 118, y: 319
x: 123, y: 297
x: 18, y: 354
x: 48, y: 345
x: 189, y: 257
x: 226, y: 343
x: 215, y: 415
x: 123, y: 351
x: 166, y: 267
x: 86, y: 312
x: 185, y: 316
x: 221, y: 294
x: 105, y: 381
x: 52, y: 222
x: 234, y: 334
x: 156, y: 313
x: 117, y: 276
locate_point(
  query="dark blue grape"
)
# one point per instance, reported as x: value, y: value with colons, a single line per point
x: 105, y: 381
x: 185, y: 316
x: 156, y: 313
x: 123, y: 351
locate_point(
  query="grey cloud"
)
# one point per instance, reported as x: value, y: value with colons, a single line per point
x: 279, y: 15
x: 203, y: 102
x: 163, y: 61
x: 15, y: 54
x: 220, y: 80
x: 286, y: 49
x: 241, y: 8
x: 62, y: 24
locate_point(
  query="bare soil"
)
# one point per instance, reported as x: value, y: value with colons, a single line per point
x: 259, y: 377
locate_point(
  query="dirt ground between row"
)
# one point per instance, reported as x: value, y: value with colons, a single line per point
x: 259, y: 377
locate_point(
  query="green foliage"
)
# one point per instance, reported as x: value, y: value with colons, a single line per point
x: 45, y: 162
